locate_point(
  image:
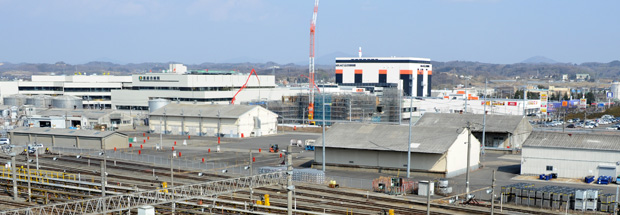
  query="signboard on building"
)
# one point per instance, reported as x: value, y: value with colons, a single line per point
x: 512, y: 103
x: 543, y: 102
x: 583, y: 103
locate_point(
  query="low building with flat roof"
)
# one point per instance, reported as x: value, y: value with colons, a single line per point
x: 571, y: 155
x: 69, y: 138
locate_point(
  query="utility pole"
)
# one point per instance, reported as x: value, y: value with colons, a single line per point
x: 251, y: 174
x: 28, y: 169
x: 493, y: 194
x: 103, y: 180
x: 524, y: 99
x: 219, y: 124
x: 428, y: 198
x: 200, y: 123
x: 161, y: 135
x: 323, y: 126
x: 468, y: 159
x: 484, y: 117
x: 400, y: 108
x: 409, y: 141
x: 171, y: 173
x: 350, y: 109
x: 289, y: 179
x: 172, y: 183
x: 14, y: 176
x: 165, y: 124
x: 466, y: 93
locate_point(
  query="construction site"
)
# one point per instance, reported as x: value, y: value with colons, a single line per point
x: 338, y: 107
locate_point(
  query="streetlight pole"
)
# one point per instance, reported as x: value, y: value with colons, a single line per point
x: 103, y: 179
x: 14, y: 176
x: 289, y: 178
x: 251, y: 174
x: 484, y: 117
x: 28, y: 169
x: 161, y: 135
x: 468, y: 159
x: 323, y: 127
x: 409, y: 141
x: 493, y: 194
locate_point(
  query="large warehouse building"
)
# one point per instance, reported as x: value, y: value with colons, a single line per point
x: 503, y: 132
x: 209, y: 120
x: 387, y: 72
x: 69, y: 138
x: 571, y: 155
x: 434, y: 151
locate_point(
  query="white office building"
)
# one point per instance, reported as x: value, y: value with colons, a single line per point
x: 94, y: 90
x: 412, y: 75
x: 198, y: 88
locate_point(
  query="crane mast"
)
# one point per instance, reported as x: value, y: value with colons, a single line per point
x: 311, y: 64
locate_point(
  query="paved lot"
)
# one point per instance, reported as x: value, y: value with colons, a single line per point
x: 237, y: 151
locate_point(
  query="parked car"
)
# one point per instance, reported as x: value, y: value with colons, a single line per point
x: 570, y: 121
x: 589, y: 125
x: 613, y: 127
x: 570, y: 126
x: 5, y: 141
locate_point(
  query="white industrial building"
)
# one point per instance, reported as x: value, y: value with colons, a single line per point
x: 571, y: 155
x: 457, y: 104
x: 199, y: 88
x: 94, y: 90
x: 412, y: 75
x: 80, y: 118
x: 434, y: 151
x: 503, y: 132
x: 211, y: 120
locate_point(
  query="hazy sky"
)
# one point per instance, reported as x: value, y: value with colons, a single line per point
x: 194, y: 31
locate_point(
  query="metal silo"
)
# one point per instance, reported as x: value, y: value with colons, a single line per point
x: 157, y: 103
x: 15, y: 100
x: 615, y: 88
x: 40, y: 101
x: 67, y: 102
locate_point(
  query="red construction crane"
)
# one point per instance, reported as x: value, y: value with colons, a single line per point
x: 311, y: 64
x: 232, y: 102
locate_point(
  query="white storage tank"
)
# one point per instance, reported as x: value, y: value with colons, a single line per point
x: 15, y: 100
x: 40, y: 101
x: 157, y: 103
x: 615, y: 88
x: 67, y: 102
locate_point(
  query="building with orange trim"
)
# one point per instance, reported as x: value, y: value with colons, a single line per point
x: 412, y: 75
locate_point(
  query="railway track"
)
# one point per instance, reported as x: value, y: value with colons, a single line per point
x: 339, y: 200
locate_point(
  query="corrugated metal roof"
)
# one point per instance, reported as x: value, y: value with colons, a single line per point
x: 88, y: 113
x: 65, y: 132
x: 494, y: 123
x: 226, y: 111
x: 608, y: 142
x: 388, y: 137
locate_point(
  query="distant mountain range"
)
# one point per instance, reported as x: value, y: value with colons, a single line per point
x: 539, y: 60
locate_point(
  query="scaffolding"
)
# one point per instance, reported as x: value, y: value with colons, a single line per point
x: 339, y: 107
